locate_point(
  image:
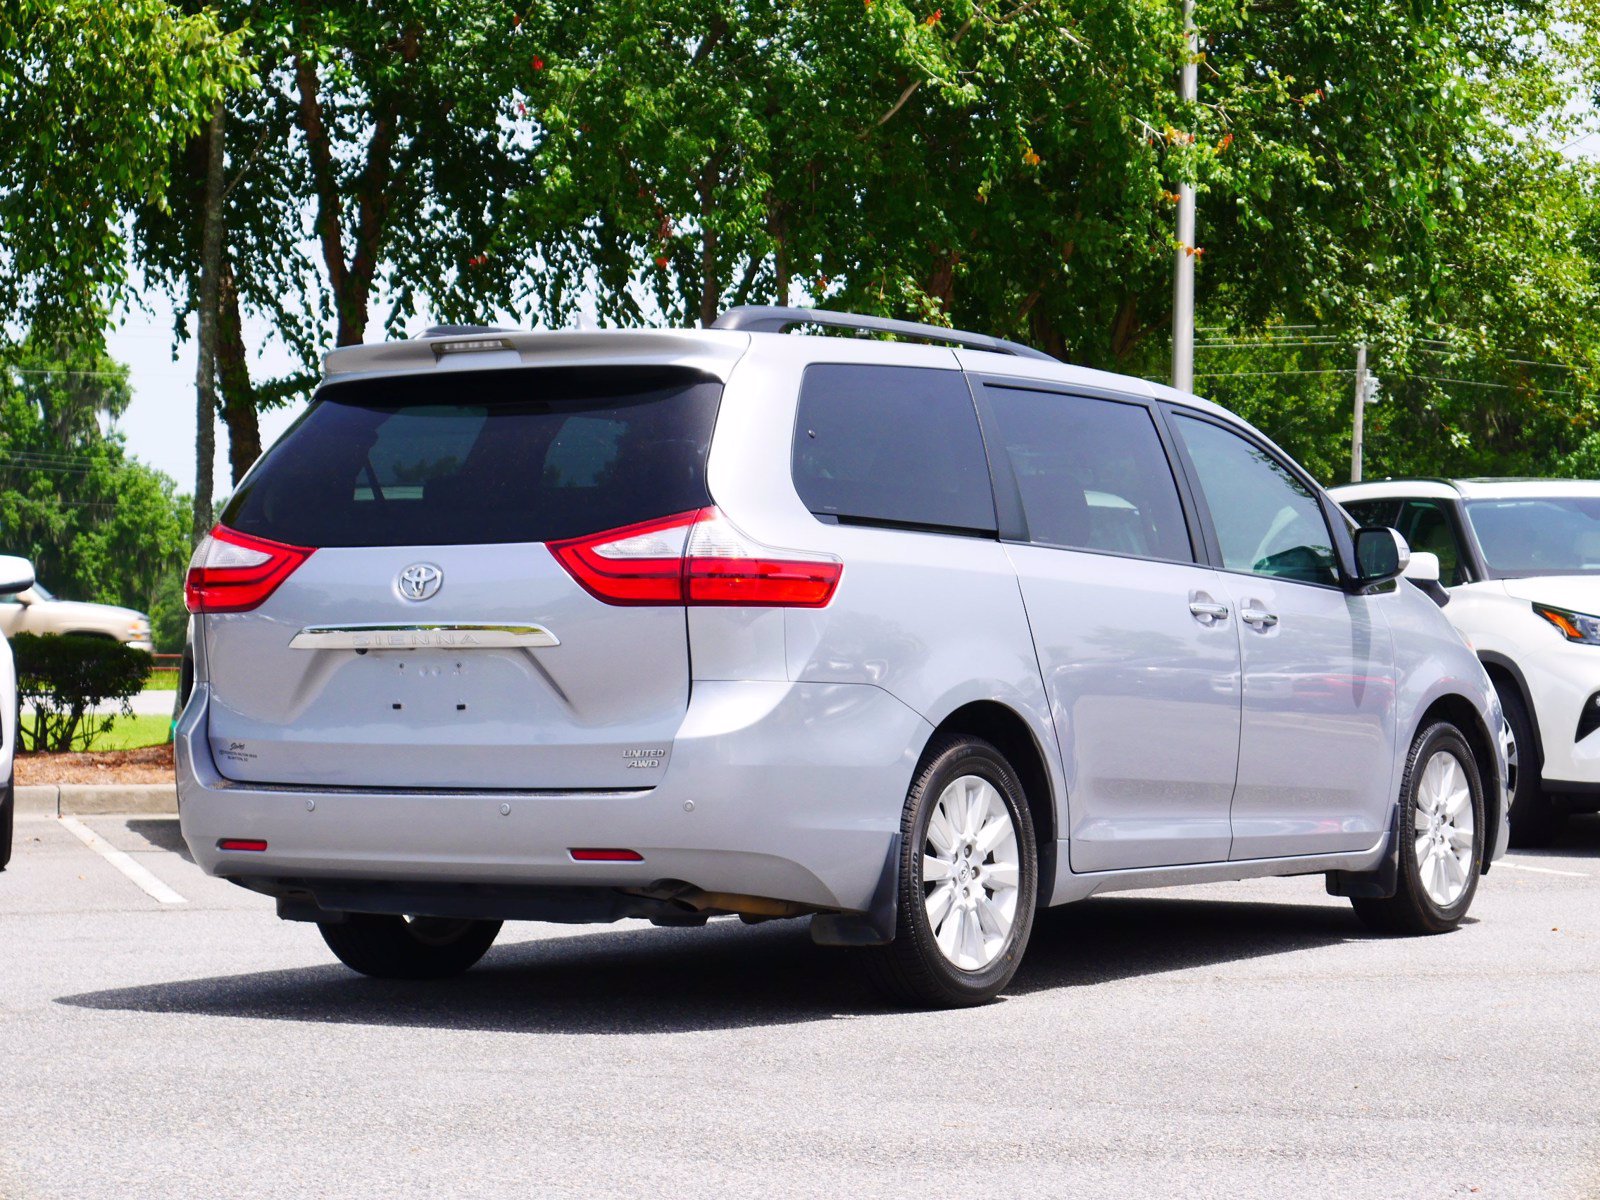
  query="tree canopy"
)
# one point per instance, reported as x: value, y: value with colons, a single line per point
x: 91, y: 96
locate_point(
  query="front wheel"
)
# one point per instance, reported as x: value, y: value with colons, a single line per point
x: 1441, y: 838
x: 968, y: 880
x: 408, y: 947
x: 1534, y: 818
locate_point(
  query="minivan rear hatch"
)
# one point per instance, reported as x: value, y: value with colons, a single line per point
x: 428, y: 638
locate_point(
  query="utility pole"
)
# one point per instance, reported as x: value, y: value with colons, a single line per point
x: 1183, y: 263
x: 1359, y: 424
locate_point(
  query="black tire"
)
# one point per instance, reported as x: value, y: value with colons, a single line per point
x: 913, y: 969
x: 1411, y: 910
x: 8, y: 818
x: 1534, y: 818
x: 408, y: 947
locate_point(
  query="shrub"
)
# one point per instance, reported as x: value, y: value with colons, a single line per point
x: 61, y: 678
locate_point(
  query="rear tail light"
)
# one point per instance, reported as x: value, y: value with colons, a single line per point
x: 234, y: 572
x: 696, y: 558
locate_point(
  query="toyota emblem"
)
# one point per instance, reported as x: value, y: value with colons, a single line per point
x: 419, y: 581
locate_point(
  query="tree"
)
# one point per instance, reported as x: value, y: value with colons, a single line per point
x: 379, y: 132
x: 91, y: 97
x: 96, y: 525
x: 1380, y: 172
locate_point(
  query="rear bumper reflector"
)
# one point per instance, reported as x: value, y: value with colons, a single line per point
x: 606, y: 855
x: 255, y: 844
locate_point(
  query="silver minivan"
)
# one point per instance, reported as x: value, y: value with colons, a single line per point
x: 907, y: 633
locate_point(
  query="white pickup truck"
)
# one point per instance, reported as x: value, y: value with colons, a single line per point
x: 35, y: 610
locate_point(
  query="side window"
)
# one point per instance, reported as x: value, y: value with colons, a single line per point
x: 892, y: 445
x: 1093, y: 474
x: 1371, y: 512
x: 1427, y: 526
x: 1267, y: 521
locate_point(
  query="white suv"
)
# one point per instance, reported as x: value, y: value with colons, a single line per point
x: 1520, y: 562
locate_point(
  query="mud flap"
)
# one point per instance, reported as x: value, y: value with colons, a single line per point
x: 876, y: 926
x: 1380, y: 883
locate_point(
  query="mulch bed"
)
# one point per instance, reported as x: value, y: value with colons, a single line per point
x: 153, y: 764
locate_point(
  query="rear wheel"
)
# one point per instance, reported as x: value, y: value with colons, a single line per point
x: 1441, y: 838
x: 968, y: 880
x: 408, y: 947
x: 1534, y: 818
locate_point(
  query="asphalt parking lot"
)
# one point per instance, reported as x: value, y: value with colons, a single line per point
x: 1233, y: 1040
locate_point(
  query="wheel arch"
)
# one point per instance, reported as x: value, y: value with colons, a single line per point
x: 1501, y: 668
x: 1009, y: 732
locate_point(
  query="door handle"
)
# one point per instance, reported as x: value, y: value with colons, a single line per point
x: 1208, y: 610
x: 1259, y: 617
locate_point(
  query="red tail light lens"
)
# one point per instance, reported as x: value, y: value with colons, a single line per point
x: 696, y: 558
x: 234, y: 572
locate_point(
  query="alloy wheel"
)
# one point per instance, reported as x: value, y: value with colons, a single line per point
x: 970, y: 873
x: 1442, y: 828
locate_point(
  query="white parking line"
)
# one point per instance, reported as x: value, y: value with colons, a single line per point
x: 1522, y: 866
x: 148, y: 882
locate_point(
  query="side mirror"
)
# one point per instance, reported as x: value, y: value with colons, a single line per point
x: 1423, y: 568
x: 1381, y: 555
x: 16, y: 574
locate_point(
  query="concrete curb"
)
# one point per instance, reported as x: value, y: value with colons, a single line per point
x: 93, y: 799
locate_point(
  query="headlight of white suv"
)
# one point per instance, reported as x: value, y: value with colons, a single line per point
x: 1575, y: 627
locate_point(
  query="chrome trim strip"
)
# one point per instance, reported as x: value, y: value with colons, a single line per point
x: 452, y: 636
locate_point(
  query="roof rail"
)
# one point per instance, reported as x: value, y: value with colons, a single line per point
x: 762, y: 318
x: 433, y: 331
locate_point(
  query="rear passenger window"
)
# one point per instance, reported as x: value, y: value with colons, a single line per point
x: 1092, y: 473
x: 1371, y: 512
x: 892, y: 446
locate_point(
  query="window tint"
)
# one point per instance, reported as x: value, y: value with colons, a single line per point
x: 1092, y: 473
x: 1267, y: 521
x: 484, y: 456
x: 1427, y: 526
x: 898, y: 445
x: 1371, y: 512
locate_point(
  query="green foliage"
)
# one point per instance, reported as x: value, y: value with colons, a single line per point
x: 62, y: 677
x: 1387, y: 173
x: 97, y: 525
x: 386, y: 127
x: 91, y: 96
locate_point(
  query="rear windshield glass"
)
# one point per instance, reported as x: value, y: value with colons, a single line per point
x: 472, y: 457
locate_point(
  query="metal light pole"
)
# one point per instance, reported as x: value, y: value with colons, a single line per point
x: 1183, y: 264
x: 1358, y: 425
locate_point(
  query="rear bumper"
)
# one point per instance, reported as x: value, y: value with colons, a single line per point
x: 788, y: 791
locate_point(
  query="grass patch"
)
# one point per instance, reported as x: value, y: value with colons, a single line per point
x: 135, y: 732
x: 162, y: 681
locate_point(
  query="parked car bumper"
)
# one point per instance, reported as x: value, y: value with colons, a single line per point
x: 774, y: 789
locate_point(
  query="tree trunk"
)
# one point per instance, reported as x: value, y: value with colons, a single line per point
x: 205, y: 439
x: 233, y: 374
